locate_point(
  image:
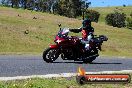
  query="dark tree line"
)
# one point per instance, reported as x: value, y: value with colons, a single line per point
x: 69, y: 8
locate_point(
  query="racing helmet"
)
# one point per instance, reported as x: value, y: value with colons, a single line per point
x: 86, y: 23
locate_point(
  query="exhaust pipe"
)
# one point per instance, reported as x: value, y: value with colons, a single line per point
x: 95, y: 55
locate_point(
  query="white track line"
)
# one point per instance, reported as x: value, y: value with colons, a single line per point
x: 60, y: 75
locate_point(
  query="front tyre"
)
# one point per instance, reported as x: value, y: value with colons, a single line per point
x: 50, y: 55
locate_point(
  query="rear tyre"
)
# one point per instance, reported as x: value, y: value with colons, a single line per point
x: 50, y: 55
x: 89, y: 60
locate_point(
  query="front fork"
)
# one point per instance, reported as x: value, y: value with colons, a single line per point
x: 59, y: 50
x: 56, y: 47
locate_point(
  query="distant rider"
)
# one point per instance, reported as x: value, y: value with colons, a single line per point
x: 87, y: 32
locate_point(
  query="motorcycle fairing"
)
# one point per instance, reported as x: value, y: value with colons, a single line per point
x: 53, y: 46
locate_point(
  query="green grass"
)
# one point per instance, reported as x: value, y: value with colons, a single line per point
x: 42, y: 30
x: 56, y: 83
x: 106, y: 10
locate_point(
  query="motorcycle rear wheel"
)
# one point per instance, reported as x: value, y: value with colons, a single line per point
x: 90, y: 60
x: 50, y: 55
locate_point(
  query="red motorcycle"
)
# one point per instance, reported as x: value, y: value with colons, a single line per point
x: 71, y: 48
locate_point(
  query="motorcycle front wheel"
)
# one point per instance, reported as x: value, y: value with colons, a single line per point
x: 50, y: 55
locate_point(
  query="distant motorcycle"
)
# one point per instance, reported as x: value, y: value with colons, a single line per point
x: 71, y: 48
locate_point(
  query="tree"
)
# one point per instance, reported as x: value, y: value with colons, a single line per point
x: 124, y: 5
x: 84, y: 7
x: 92, y: 15
x: 116, y: 19
x: 6, y: 2
x: 26, y: 4
x: 69, y: 8
x: 14, y: 3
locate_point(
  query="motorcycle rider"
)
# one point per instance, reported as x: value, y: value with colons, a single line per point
x: 87, y: 32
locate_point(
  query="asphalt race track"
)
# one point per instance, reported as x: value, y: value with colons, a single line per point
x: 21, y: 65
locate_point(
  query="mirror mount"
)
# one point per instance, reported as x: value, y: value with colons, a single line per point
x: 59, y: 26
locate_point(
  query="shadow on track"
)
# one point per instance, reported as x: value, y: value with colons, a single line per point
x: 87, y: 63
x: 105, y: 63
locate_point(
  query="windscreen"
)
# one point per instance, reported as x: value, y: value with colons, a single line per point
x: 63, y: 33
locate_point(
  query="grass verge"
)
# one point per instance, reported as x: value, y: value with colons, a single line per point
x: 56, y: 83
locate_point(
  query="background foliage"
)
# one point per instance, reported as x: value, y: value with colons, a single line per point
x: 93, y: 15
x: 116, y: 19
x: 69, y: 8
x: 129, y: 21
